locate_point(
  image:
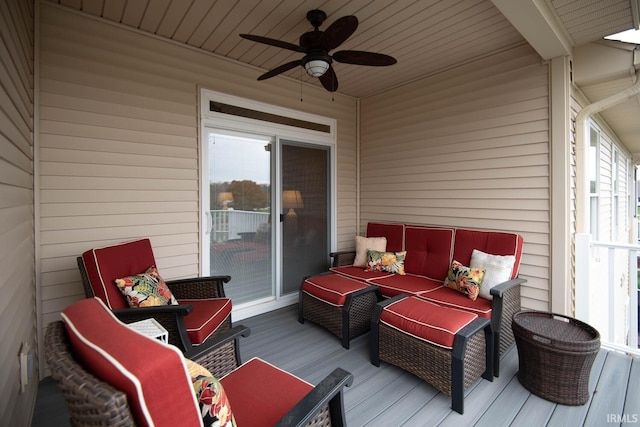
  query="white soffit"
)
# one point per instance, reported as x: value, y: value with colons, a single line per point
x: 537, y: 24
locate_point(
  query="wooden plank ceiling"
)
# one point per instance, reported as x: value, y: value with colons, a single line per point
x: 425, y: 36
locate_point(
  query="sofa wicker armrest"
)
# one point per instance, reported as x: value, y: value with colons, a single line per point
x: 342, y: 258
x: 198, y: 287
x: 506, y: 302
x: 327, y: 392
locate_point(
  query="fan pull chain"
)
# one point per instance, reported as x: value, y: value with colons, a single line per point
x: 300, y: 84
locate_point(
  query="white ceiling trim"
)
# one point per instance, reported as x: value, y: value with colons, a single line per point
x: 538, y: 25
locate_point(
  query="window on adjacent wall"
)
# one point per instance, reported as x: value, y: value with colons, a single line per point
x: 594, y: 178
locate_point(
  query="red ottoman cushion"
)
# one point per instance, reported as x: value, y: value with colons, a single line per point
x: 332, y: 288
x: 426, y: 321
x: 261, y: 394
x: 410, y: 284
x: 454, y: 299
x: 205, y: 318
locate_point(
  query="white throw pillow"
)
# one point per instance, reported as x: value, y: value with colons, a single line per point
x: 497, y: 268
x: 364, y: 243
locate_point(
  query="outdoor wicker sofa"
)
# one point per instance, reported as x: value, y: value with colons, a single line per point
x: 430, y: 252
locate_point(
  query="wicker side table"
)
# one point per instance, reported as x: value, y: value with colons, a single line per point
x: 555, y: 354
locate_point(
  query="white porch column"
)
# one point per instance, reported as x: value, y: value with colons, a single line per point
x: 560, y: 259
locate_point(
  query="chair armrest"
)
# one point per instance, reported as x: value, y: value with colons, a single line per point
x: 328, y: 392
x: 218, y: 340
x: 499, y: 290
x: 198, y: 287
x: 342, y: 258
x: 171, y: 317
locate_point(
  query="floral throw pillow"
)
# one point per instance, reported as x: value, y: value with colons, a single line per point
x: 213, y: 403
x: 391, y: 262
x: 464, y: 279
x: 146, y: 289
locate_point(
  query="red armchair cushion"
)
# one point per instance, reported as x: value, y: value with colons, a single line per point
x: 205, y: 318
x: 262, y: 394
x: 426, y: 321
x: 152, y: 374
x: 450, y: 298
x: 332, y: 288
x: 105, y: 265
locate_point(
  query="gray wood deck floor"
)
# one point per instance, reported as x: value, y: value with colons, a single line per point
x: 389, y: 396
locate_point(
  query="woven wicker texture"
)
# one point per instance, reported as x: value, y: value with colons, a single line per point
x: 430, y: 362
x: 90, y: 401
x: 555, y: 355
x: 341, y: 259
x: 220, y: 361
x: 510, y: 305
x: 330, y: 316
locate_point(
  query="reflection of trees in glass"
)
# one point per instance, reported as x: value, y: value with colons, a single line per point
x: 247, y: 195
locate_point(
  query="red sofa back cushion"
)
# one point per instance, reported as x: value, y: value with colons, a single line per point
x: 491, y: 242
x: 105, y: 265
x: 152, y: 374
x: 428, y: 251
x: 393, y: 232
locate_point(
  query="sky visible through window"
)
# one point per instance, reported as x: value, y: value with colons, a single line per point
x: 629, y: 36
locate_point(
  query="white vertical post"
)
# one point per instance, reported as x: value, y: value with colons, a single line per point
x: 583, y: 283
x: 633, y: 299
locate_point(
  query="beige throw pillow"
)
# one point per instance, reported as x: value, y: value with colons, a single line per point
x: 364, y: 243
x: 497, y: 268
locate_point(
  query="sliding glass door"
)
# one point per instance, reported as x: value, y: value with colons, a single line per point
x: 239, y: 236
x: 305, y: 207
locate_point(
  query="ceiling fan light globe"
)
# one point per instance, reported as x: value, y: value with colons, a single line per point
x: 316, y: 67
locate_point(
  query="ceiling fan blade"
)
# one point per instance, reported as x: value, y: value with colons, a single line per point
x: 273, y: 42
x: 329, y: 80
x: 338, y: 32
x: 359, y: 57
x: 280, y: 69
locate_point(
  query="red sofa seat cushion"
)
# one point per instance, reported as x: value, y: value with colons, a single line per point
x: 332, y: 288
x: 454, y: 299
x: 429, y: 251
x: 152, y: 374
x: 105, y: 265
x: 261, y: 394
x: 205, y: 318
x: 393, y: 232
x: 359, y: 273
x: 410, y: 284
x: 491, y: 242
x: 426, y: 321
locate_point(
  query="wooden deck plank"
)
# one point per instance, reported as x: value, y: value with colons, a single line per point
x: 562, y: 413
x: 632, y: 400
x: 388, y: 395
x: 611, y: 390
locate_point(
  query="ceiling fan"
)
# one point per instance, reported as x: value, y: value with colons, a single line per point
x: 316, y: 45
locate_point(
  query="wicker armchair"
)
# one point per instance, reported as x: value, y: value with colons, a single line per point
x: 203, y: 309
x: 83, y: 350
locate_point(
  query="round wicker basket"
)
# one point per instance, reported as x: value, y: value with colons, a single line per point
x: 555, y: 353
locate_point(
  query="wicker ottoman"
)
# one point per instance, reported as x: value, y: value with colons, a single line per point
x: 555, y: 355
x: 341, y: 305
x: 446, y: 347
